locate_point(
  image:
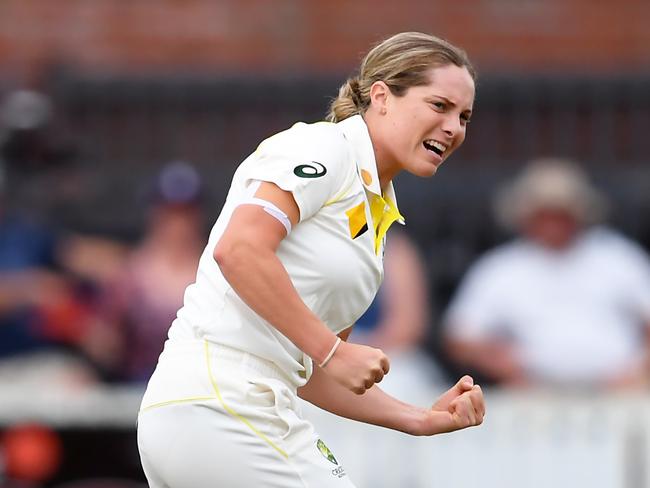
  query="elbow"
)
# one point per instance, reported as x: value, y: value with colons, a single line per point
x: 220, y: 253
x: 226, y: 252
x: 233, y: 255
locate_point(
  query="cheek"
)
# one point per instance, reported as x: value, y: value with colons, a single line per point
x: 402, y: 137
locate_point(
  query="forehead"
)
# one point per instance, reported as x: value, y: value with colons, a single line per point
x: 452, y: 82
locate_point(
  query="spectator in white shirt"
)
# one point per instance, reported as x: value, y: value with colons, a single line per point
x: 565, y: 304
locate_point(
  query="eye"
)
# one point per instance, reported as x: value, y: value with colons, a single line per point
x: 439, y: 105
x: 465, y: 118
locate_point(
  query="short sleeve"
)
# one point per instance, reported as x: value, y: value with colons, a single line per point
x: 310, y: 161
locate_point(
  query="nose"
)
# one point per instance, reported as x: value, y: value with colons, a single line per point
x: 451, y: 126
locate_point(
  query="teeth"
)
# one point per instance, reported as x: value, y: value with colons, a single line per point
x: 438, y: 145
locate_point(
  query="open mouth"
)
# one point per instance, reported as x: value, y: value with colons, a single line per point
x: 434, y: 146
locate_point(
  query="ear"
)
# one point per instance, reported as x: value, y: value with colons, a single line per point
x: 379, y: 95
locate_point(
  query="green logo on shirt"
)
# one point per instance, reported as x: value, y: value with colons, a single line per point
x: 309, y: 171
x: 325, y: 451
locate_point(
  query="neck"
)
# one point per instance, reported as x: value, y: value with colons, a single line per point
x: 385, y: 171
x: 387, y: 168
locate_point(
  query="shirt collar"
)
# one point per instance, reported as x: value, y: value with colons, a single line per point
x: 355, y: 131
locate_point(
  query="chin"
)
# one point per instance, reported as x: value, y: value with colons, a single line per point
x: 424, y: 167
x: 427, y: 167
x: 430, y: 168
x: 425, y: 171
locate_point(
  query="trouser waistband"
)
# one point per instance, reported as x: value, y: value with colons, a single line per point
x: 220, y: 355
x: 246, y: 361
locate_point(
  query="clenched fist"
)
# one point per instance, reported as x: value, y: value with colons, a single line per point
x: 459, y: 407
x: 357, y: 367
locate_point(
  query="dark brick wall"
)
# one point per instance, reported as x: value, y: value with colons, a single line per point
x: 579, y: 36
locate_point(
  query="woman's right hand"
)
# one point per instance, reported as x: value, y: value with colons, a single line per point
x: 357, y: 367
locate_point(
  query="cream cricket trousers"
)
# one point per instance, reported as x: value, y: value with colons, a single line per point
x: 215, y: 417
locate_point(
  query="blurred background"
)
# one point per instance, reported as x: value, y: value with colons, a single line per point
x: 121, y: 124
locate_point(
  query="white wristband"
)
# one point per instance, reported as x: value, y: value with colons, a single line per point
x: 331, y: 353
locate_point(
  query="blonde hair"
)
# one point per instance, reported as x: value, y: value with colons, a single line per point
x: 401, y: 61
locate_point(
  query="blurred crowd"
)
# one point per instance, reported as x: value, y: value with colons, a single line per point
x: 564, y: 304
x: 75, y: 308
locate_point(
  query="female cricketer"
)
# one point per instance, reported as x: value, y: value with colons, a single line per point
x: 294, y: 258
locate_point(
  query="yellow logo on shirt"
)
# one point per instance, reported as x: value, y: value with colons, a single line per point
x: 357, y: 220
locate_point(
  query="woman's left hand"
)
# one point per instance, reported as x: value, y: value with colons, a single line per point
x: 459, y: 407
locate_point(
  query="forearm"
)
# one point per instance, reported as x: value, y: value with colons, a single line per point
x: 262, y: 282
x: 373, y: 407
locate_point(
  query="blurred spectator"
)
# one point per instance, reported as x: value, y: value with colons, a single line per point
x: 24, y: 118
x: 35, y: 154
x: 27, y: 277
x: 42, y: 312
x: 46, y: 310
x: 565, y: 304
x: 147, y: 294
x: 397, y: 320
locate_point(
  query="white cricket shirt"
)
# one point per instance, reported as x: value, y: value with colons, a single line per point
x: 334, y: 255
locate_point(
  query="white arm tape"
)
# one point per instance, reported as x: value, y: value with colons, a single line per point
x: 270, y: 209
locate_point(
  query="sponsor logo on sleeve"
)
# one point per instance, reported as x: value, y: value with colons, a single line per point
x: 311, y: 170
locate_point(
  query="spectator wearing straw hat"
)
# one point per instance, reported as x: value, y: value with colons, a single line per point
x: 567, y: 303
